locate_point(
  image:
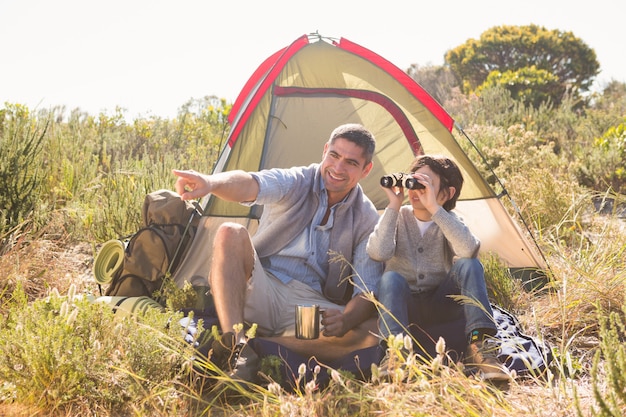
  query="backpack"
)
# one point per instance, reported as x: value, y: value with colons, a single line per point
x: 154, y: 252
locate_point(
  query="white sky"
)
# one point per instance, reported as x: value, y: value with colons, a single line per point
x: 151, y: 56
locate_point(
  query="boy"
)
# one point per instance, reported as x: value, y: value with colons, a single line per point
x: 430, y: 254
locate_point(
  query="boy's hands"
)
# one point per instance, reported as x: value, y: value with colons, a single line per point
x: 395, y: 196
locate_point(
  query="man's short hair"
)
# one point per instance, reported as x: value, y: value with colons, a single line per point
x: 358, y: 135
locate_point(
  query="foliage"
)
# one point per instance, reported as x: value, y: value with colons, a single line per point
x: 67, y: 352
x: 495, y: 107
x: 438, y: 81
x: 613, y: 98
x: 21, y: 174
x: 503, y: 289
x: 90, y: 174
x: 176, y: 298
x: 512, y: 48
x: 512, y: 157
x: 610, y: 365
x: 527, y: 85
x: 588, y: 148
x: 605, y: 167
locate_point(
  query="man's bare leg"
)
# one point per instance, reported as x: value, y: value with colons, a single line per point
x: 231, y: 267
x: 326, y: 349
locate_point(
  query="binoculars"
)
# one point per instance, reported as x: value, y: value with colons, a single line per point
x: 400, y: 179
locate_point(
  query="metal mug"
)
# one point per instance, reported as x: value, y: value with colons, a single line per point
x: 307, y: 321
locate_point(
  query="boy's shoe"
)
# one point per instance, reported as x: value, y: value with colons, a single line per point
x: 483, y: 355
x: 239, y: 361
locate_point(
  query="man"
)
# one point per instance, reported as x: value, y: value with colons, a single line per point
x: 309, y: 214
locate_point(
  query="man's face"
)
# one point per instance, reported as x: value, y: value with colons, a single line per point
x: 343, y: 166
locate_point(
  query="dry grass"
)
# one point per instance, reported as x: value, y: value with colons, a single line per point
x: 44, y: 264
x: 586, y: 253
x: 564, y: 317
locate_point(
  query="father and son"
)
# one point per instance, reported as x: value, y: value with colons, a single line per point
x: 411, y: 257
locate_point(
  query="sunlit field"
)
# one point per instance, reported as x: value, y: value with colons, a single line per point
x: 71, y: 181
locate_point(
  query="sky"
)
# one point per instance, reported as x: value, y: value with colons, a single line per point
x: 150, y: 57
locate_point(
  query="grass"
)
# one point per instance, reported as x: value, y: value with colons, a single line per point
x: 64, y: 356
x: 147, y: 370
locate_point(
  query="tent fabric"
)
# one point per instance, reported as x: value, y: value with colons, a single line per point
x: 296, y: 97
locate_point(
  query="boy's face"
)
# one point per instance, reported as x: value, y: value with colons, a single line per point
x: 416, y: 196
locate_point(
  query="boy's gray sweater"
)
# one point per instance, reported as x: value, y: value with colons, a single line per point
x: 424, y: 261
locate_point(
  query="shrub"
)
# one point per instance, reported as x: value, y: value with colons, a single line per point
x: 603, y: 167
x: 21, y: 142
x: 530, y: 85
x: 66, y: 352
x: 609, y: 366
x: 88, y: 176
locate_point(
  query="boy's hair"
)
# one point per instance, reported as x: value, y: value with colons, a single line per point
x: 358, y: 135
x: 449, y: 175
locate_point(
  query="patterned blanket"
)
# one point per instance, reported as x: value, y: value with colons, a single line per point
x: 526, y: 355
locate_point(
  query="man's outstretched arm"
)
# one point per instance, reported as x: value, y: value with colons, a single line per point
x: 238, y: 186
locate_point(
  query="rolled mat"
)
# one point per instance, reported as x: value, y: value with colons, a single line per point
x: 128, y: 306
x: 108, y: 261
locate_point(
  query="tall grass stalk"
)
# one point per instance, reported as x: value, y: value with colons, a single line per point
x: 609, y: 366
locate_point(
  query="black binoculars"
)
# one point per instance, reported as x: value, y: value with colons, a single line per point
x: 400, y: 179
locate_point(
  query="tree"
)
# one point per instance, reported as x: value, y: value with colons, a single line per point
x: 612, y: 99
x: 528, y: 85
x: 523, y: 55
x: 438, y: 81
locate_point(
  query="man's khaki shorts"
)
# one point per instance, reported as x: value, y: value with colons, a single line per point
x: 271, y: 304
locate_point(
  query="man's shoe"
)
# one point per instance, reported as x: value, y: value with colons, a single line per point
x: 483, y: 355
x: 244, y: 363
x: 238, y: 361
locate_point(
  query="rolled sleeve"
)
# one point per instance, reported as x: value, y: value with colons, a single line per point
x: 368, y: 271
x: 274, y: 184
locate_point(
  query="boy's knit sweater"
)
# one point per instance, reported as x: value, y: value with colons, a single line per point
x: 424, y: 261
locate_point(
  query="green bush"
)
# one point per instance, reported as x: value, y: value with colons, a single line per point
x: 66, y: 352
x: 609, y: 366
x: 604, y: 166
x: 529, y: 85
x: 21, y: 173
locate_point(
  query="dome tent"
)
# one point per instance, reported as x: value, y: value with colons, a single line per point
x: 285, y: 112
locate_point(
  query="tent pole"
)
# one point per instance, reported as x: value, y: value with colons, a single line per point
x: 504, y: 193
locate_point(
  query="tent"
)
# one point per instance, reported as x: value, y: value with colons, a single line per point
x: 287, y: 109
x: 284, y: 115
